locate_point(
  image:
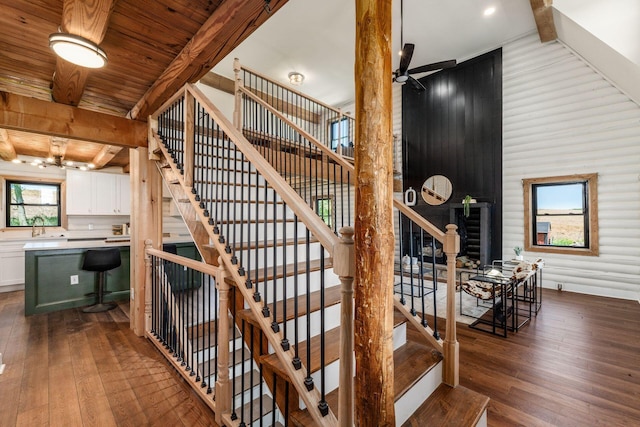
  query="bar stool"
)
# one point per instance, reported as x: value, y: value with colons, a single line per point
x: 101, y: 261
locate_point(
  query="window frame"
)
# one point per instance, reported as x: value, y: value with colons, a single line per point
x: 530, y: 242
x: 340, y: 142
x: 332, y: 214
x: 6, y: 199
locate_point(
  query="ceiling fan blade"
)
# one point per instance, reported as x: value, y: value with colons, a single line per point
x: 415, y: 84
x: 435, y: 66
x: 405, y: 60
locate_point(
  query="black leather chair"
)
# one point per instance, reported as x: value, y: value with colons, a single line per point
x: 101, y: 261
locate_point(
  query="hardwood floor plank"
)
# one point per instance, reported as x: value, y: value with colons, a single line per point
x: 64, y: 409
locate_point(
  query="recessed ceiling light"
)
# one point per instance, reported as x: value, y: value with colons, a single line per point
x: 489, y: 11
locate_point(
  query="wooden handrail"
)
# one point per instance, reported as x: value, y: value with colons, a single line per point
x: 297, y: 92
x: 187, y: 262
x: 325, y: 150
x: 438, y: 234
x: 304, y: 212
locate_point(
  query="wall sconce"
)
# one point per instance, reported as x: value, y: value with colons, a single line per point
x: 296, y: 78
x: 77, y: 50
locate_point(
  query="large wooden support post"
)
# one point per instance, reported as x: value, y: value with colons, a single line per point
x: 344, y: 266
x: 374, y: 240
x: 451, y: 369
x: 189, y: 138
x: 223, y: 385
x: 146, y: 223
x: 237, y: 109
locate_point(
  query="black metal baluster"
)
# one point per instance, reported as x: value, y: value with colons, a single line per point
x: 322, y: 405
x: 285, y: 342
x: 436, y: 334
x: 403, y: 301
x: 308, y: 381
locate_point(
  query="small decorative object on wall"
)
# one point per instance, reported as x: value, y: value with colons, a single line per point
x: 518, y: 252
x: 436, y: 190
x: 410, y: 197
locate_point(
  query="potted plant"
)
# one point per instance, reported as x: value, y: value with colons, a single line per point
x: 518, y: 252
x: 466, y: 205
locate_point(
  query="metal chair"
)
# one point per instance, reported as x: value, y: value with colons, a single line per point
x: 101, y: 261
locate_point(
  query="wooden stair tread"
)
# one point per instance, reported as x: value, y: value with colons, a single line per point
x: 273, y: 243
x: 233, y: 356
x: 412, y: 361
x: 279, y: 271
x: 245, y: 201
x: 331, y: 354
x: 450, y: 407
x: 332, y: 296
x: 253, y: 221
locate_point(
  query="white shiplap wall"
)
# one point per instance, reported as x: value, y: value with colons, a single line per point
x: 561, y: 117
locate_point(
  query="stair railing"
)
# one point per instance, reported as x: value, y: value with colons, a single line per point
x: 243, y: 202
x: 179, y: 322
x: 331, y: 126
x: 288, y: 140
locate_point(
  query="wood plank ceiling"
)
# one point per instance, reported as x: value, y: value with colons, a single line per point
x: 153, y: 48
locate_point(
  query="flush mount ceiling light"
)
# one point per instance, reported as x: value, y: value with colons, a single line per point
x: 77, y: 50
x: 296, y: 78
x: 489, y: 11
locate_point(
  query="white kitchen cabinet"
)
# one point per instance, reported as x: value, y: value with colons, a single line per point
x: 94, y: 193
x: 124, y: 195
x: 79, y: 193
x: 11, y: 264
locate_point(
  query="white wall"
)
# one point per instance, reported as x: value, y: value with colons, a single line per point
x: 561, y: 117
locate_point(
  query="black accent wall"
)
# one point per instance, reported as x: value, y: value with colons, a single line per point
x: 454, y: 128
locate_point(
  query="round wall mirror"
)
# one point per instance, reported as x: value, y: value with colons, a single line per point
x: 436, y: 190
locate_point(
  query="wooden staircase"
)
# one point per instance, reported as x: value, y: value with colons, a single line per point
x: 283, y: 333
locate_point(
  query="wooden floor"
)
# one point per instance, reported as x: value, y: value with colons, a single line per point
x: 75, y: 369
x: 576, y: 364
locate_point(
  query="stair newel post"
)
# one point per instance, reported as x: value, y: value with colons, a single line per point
x: 189, y: 138
x: 237, y: 109
x: 451, y: 371
x: 223, y: 385
x: 344, y: 266
x: 148, y: 244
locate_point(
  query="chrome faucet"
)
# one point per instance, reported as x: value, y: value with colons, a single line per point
x: 35, y: 233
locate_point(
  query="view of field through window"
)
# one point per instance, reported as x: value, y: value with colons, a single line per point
x: 560, y: 214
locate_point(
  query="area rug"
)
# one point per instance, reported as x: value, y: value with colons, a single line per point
x: 471, y: 309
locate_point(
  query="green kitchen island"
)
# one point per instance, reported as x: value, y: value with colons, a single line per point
x: 51, y: 267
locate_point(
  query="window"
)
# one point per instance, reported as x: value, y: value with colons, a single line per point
x: 340, y: 133
x: 26, y: 201
x: 324, y: 209
x: 561, y: 214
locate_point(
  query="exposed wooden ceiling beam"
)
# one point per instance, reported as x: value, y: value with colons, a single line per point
x: 105, y: 155
x: 57, y: 147
x: 88, y: 19
x: 543, y: 13
x: 48, y: 118
x: 230, y: 23
x: 227, y: 85
x: 7, y: 150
